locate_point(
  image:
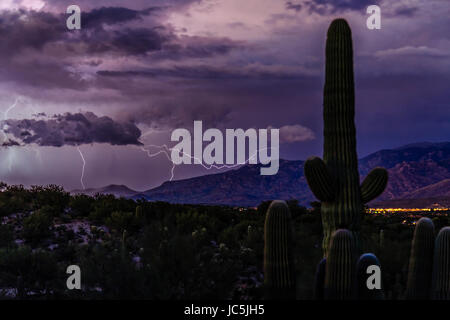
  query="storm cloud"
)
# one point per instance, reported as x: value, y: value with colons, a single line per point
x: 70, y: 129
x: 28, y: 29
x: 162, y: 64
x: 37, y: 50
x: 329, y: 6
x: 114, y: 15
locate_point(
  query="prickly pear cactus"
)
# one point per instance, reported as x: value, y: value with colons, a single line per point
x: 421, y: 261
x: 340, y: 267
x: 335, y: 179
x: 279, y: 268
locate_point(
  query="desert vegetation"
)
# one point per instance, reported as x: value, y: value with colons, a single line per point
x: 157, y: 250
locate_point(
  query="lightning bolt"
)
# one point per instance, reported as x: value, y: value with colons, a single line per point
x: 164, y: 149
x: 5, y: 117
x: 82, y: 170
x: 11, y: 152
x: 10, y: 108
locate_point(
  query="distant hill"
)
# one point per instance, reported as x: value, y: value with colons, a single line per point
x: 411, y: 168
x: 243, y: 187
x: 441, y: 188
x: 415, y: 171
x: 116, y: 190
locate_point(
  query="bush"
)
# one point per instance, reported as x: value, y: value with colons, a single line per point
x: 121, y: 221
x: 37, y: 226
x: 6, y: 236
x: 30, y: 271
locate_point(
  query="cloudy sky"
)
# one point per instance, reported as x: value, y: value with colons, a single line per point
x: 136, y: 70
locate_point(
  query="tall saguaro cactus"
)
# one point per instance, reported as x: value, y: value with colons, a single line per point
x: 421, y: 261
x: 279, y: 268
x: 335, y: 179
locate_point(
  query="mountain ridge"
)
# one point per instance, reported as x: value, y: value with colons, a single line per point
x: 115, y: 189
x: 414, y: 169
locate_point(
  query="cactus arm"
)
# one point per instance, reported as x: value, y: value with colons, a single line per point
x: 374, y: 184
x: 319, y: 179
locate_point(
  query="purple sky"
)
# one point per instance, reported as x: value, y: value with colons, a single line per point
x: 139, y: 69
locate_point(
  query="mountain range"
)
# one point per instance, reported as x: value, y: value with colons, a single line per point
x: 416, y: 171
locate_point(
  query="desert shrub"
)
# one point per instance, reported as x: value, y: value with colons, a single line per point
x: 37, y: 226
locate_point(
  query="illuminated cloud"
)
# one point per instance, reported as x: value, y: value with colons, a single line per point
x: 70, y: 129
x: 295, y: 133
x: 412, y: 51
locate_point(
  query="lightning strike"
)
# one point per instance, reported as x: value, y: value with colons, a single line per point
x: 164, y: 149
x: 5, y: 117
x: 11, y: 153
x: 82, y: 170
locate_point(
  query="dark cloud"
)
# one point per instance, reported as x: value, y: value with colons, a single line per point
x: 71, y: 129
x: 406, y: 11
x: 256, y: 71
x: 27, y: 29
x: 119, y: 74
x: 169, y: 114
x: 23, y: 29
x: 37, y: 50
x: 196, y: 47
x: 114, y: 15
x: 124, y: 42
x: 41, y: 74
x: 324, y: 7
x: 293, y: 6
x: 10, y: 143
x: 135, y: 4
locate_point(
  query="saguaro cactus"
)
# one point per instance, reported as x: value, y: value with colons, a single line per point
x: 279, y: 268
x: 139, y: 212
x: 381, y: 240
x: 421, y: 261
x: 335, y: 179
x: 319, y: 281
x: 363, y: 292
x: 340, y: 267
x: 441, y: 266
